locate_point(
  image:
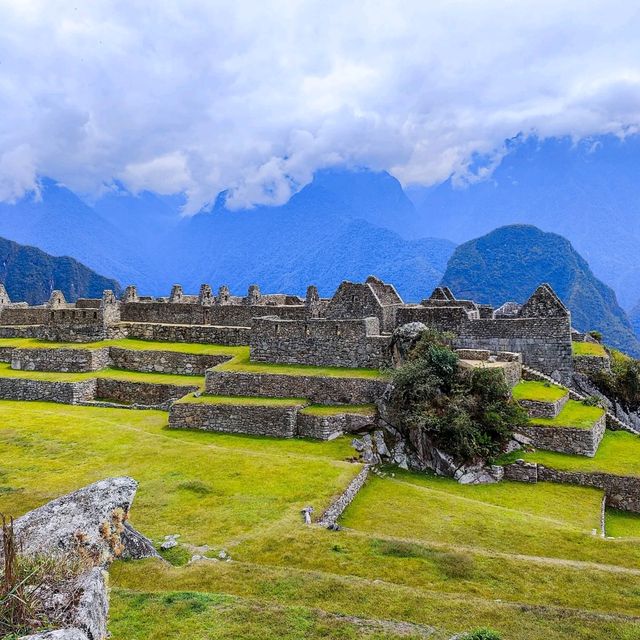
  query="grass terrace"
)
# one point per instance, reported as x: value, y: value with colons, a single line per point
x: 243, y: 400
x: 588, y: 349
x: 574, y: 414
x: 420, y: 557
x: 242, y: 363
x: 338, y: 409
x: 113, y: 374
x: 618, y: 454
x: 134, y: 345
x: 537, y: 391
x: 622, y: 524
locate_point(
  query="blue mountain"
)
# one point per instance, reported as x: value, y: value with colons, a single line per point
x: 587, y: 192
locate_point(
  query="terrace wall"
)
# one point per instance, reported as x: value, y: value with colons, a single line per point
x: 590, y: 365
x: 257, y: 420
x: 164, y: 361
x: 208, y: 334
x: 63, y: 392
x: 538, y: 409
x: 582, y: 442
x: 23, y: 315
x: 328, y: 427
x: 316, y: 389
x: 65, y: 360
x: 140, y: 393
x: 319, y: 342
x: 623, y: 492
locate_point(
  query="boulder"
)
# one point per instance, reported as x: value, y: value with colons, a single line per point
x: 60, y: 634
x: 403, y: 340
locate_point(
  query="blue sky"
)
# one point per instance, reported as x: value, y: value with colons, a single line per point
x: 253, y: 97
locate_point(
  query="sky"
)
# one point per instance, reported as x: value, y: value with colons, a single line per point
x: 254, y: 96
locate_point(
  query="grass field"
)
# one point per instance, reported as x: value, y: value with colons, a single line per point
x: 588, y: 349
x: 436, y: 556
x: 243, y: 400
x: 539, y: 391
x: 242, y: 363
x: 337, y: 409
x: 574, y: 414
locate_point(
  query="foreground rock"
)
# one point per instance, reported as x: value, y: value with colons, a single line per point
x: 85, y: 530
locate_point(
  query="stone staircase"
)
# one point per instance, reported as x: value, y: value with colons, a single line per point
x: 613, y: 422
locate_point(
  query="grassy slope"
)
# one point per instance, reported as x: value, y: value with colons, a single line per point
x: 242, y: 363
x: 420, y: 549
x: 574, y: 414
x: 536, y: 390
x: 588, y: 349
x: 128, y: 343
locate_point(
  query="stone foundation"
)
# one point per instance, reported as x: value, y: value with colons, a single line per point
x: 316, y: 389
x: 582, y: 442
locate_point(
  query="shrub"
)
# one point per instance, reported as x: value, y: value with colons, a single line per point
x: 482, y: 634
x: 622, y: 384
x: 596, y: 335
x: 469, y: 417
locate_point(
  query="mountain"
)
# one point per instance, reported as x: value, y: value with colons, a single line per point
x: 324, y: 234
x: 30, y: 275
x: 510, y: 262
x: 60, y: 223
x: 589, y: 192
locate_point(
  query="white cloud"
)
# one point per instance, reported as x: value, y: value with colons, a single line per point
x: 254, y: 96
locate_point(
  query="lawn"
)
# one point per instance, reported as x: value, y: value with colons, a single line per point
x: 243, y: 400
x: 618, y: 453
x: 127, y: 343
x: 338, y: 409
x: 419, y: 550
x: 622, y: 524
x: 588, y: 349
x: 538, y: 391
x: 114, y: 374
x: 242, y: 363
x: 574, y: 414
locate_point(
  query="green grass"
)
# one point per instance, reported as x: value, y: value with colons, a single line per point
x: 114, y: 374
x: 128, y: 343
x: 416, y: 548
x: 574, y: 414
x: 618, y: 454
x: 242, y: 363
x: 588, y: 349
x: 338, y: 409
x: 538, y: 391
x: 622, y: 524
x: 243, y: 400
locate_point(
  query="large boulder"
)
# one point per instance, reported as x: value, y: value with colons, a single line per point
x: 403, y: 340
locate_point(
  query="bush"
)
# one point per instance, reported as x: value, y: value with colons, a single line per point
x: 596, y: 335
x: 469, y: 416
x: 482, y: 634
x: 622, y: 384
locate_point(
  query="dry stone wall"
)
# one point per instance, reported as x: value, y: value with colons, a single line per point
x: 140, y: 393
x: 164, y: 361
x: 63, y: 392
x: 328, y: 427
x: 337, y: 343
x: 229, y: 336
x: 316, y: 389
x: 590, y: 365
x: 257, y: 420
x: 537, y: 409
x: 65, y: 360
x: 582, y: 442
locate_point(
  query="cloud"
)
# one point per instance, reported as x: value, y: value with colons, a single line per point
x: 202, y: 96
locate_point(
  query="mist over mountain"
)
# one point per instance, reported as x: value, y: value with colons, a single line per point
x: 30, y: 275
x: 510, y: 262
x: 588, y: 192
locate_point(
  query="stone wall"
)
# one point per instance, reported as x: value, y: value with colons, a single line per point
x: 440, y: 318
x: 582, y: 442
x: 164, y: 361
x: 63, y: 392
x: 256, y: 420
x: 23, y: 315
x: 5, y: 354
x: 65, y: 360
x: 590, y: 365
x: 229, y: 336
x: 74, y: 332
x: 328, y: 427
x: 338, y: 343
x: 235, y: 315
x: 330, y: 517
x: 537, y: 409
x: 623, y: 492
x: 140, y: 393
x: 316, y: 389
x: 21, y: 331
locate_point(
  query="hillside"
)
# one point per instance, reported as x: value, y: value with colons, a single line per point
x: 30, y: 275
x: 588, y: 192
x: 508, y: 264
